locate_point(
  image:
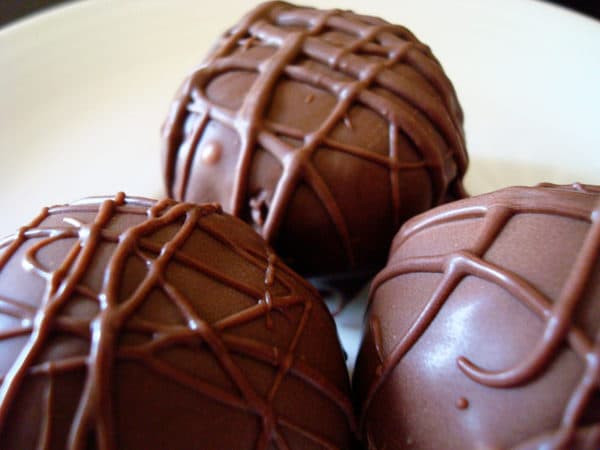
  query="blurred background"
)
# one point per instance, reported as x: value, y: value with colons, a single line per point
x: 14, y: 9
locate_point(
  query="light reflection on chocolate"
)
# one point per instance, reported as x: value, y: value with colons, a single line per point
x: 494, y: 299
x: 211, y: 153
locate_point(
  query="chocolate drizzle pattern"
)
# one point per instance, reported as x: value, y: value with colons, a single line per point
x: 577, y: 202
x: 429, y: 117
x: 96, y: 413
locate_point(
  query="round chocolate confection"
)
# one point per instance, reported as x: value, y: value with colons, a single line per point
x: 483, y: 331
x: 140, y: 325
x: 324, y: 129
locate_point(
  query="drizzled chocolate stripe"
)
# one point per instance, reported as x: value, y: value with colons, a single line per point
x: 577, y: 202
x: 424, y: 109
x: 277, y: 293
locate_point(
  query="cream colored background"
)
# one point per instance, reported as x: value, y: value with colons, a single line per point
x: 84, y: 89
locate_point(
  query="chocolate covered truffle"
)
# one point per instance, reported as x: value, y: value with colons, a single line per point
x: 132, y: 324
x: 483, y: 330
x: 324, y: 129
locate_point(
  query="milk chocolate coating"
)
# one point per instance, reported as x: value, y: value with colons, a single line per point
x: 483, y: 330
x: 324, y: 129
x: 132, y: 324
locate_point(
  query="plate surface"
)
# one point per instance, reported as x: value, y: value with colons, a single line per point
x: 85, y: 87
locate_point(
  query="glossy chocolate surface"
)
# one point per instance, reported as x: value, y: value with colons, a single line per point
x: 483, y: 330
x: 324, y: 129
x: 132, y: 324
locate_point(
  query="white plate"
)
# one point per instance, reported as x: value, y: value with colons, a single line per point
x: 84, y: 89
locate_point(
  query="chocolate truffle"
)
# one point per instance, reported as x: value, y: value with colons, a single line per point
x: 132, y: 324
x: 483, y: 330
x: 326, y: 130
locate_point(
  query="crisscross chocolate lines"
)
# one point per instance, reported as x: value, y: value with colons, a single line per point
x: 578, y: 202
x: 116, y: 316
x: 425, y: 112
